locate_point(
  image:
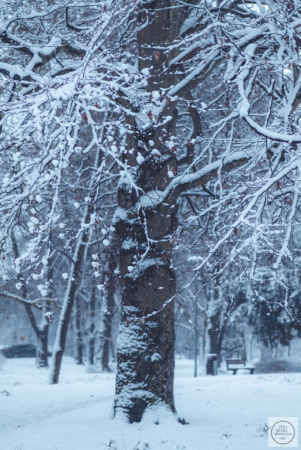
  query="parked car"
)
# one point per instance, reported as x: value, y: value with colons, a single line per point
x: 20, y: 351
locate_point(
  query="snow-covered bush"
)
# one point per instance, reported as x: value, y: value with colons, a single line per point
x: 278, y: 365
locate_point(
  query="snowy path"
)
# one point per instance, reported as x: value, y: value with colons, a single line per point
x: 224, y: 412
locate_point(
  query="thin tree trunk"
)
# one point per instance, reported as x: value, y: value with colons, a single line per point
x: 74, y: 282
x: 214, y: 333
x: 42, y: 348
x: 62, y: 329
x: 196, y: 339
x: 220, y: 343
x: 42, y: 338
x: 91, y: 335
x: 110, y: 286
x: 79, y: 354
x: 43, y: 328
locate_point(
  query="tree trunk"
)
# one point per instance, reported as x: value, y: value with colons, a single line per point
x: 74, y: 279
x: 213, y: 361
x: 105, y: 355
x: 145, y: 347
x: 42, y: 350
x: 214, y: 333
x: 79, y: 356
x: 61, y: 335
x: 41, y: 332
x: 145, y: 352
x: 110, y: 280
x: 91, y: 331
x: 220, y: 343
x: 42, y: 345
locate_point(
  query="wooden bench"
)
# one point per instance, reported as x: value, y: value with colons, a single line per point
x: 238, y: 362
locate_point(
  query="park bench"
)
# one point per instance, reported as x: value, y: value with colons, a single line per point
x: 238, y: 364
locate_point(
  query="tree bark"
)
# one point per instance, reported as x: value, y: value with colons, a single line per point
x: 62, y: 329
x: 145, y: 347
x: 42, y: 344
x: 91, y: 331
x: 110, y: 286
x: 145, y: 352
x: 79, y: 355
x: 215, y: 336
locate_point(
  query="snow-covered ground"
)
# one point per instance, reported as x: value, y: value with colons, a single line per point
x: 224, y: 412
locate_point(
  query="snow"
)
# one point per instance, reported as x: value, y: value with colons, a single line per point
x: 42, y: 289
x: 156, y: 357
x: 139, y: 158
x: 224, y: 412
x: 273, y: 134
x: 5, y: 181
x: 45, y: 261
x: 35, y: 220
x: 128, y: 244
x: 288, y: 73
x: 156, y: 153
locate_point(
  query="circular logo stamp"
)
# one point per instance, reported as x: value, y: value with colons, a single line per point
x: 283, y: 432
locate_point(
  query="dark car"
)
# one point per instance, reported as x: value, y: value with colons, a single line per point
x: 20, y: 351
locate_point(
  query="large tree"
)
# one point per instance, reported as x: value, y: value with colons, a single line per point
x: 136, y: 75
